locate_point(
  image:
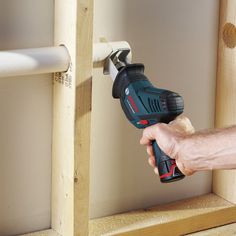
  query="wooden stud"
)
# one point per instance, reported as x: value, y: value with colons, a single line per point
x: 71, y: 123
x: 49, y: 232
x: 224, y: 181
x: 181, y: 217
x: 83, y: 100
x: 226, y: 230
x: 62, y: 217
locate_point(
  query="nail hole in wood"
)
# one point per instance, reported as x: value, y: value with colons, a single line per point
x: 76, y: 180
x: 229, y: 35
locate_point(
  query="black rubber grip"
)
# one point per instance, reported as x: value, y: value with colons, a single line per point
x: 168, y: 171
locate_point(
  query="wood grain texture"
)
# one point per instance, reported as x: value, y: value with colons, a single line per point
x: 176, y: 218
x: 84, y: 40
x: 226, y: 230
x: 49, y: 232
x: 224, y: 181
x: 63, y: 123
x: 71, y: 129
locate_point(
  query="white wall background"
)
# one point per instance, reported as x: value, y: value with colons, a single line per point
x: 25, y: 122
x: 177, y: 42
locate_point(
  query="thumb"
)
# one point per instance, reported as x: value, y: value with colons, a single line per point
x: 182, y: 124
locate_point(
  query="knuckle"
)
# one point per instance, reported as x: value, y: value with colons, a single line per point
x: 159, y: 127
x: 145, y: 132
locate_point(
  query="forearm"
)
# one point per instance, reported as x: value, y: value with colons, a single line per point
x: 210, y: 150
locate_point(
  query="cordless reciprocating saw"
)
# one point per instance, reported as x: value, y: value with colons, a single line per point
x: 144, y: 105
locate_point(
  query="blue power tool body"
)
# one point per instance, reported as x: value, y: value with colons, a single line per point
x: 145, y: 105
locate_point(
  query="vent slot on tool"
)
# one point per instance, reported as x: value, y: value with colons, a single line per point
x: 154, y: 105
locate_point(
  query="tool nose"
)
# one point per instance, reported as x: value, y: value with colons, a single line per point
x: 175, y: 102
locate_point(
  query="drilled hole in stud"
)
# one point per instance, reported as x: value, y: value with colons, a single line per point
x: 229, y: 35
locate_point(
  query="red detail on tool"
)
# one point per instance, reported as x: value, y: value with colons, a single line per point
x: 171, y: 171
x: 133, y: 103
x: 143, y: 122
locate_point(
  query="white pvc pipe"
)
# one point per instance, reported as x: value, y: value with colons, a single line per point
x: 102, y: 50
x: 49, y: 59
x: 34, y: 61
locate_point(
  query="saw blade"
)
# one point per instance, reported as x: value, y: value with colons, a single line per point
x: 113, y: 71
x: 116, y: 61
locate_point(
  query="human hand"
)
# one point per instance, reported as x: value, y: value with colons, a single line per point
x: 169, y: 137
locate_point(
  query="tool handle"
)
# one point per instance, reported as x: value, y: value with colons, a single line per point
x: 167, y: 168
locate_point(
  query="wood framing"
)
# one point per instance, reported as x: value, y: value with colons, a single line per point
x: 176, y: 218
x: 71, y: 141
x: 49, y: 232
x: 226, y: 230
x: 224, y: 181
x: 71, y: 123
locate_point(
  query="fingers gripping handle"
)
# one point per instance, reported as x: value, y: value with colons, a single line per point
x: 167, y: 168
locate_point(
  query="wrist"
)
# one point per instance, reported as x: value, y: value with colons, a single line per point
x: 195, y: 152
